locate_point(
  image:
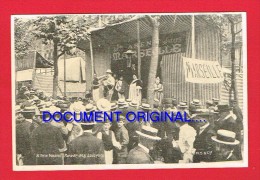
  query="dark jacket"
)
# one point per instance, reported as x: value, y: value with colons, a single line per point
x: 121, y: 135
x: 205, y: 150
x: 139, y: 156
x: 23, y: 141
x: 85, y: 149
x: 46, y: 140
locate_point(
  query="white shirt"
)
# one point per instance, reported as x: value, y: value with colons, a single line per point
x: 114, y: 142
x: 187, y: 136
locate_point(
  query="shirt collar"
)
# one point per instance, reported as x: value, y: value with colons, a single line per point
x: 202, y: 128
x: 88, y: 131
x: 144, y: 148
x: 29, y: 120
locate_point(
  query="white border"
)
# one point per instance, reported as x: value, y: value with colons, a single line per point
x: 234, y: 164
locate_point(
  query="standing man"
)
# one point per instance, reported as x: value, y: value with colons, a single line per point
x: 122, y: 137
x: 46, y: 142
x: 141, y: 153
x: 86, y: 149
x: 203, y: 144
x: 187, y: 136
x: 109, y: 84
x: 228, y: 121
x: 225, y: 145
x: 23, y: 133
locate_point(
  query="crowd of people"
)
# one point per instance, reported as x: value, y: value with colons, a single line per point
x: 217, y: 137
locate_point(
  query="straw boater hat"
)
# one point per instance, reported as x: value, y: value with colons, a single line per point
x: 77, y: 108
x: 103, y: 105
x: 209, y: 102
x: 149, y: 132
x: 121, y: 103
x: 215, y: 100
x: 133, y: 104
x: 182, y: 105
x: 196, y: 102
x: 113, y: 106
x: 18, y: 109
x: 225, y: 137
x: 223, y: 108
x: 29, y: 109
x: 145, y: 106
x: 90, y: 108
x: 109, y: 71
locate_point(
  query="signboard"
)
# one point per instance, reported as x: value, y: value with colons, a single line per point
x: 168, y: 44
x: 200, y: 71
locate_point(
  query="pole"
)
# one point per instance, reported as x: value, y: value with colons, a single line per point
x: 138, y: 50
x: 193, y: 54
x: 193, y: 38
x: 64, y: 93
x: 91, y: 57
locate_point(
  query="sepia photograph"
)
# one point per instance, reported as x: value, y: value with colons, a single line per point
x: 129, y: 91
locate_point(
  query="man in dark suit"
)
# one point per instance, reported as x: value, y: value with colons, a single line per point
x: 228, y: 121
x: 203, y: 144
x: 141, y: 153
x: 122, y: 137
x: 23, y: 133
x: 85, y: 149
x: 226, y: 143
x: 46, y: 142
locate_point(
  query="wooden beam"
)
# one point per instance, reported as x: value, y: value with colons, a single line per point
x: 138, y: 50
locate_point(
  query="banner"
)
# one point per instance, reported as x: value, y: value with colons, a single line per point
x: 168, y: 44
x: 200, y: 71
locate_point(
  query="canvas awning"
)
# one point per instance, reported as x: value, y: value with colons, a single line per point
x: 126, y: 31
x: 75, y: 69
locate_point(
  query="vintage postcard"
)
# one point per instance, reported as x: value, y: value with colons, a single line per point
x: 129, y: 91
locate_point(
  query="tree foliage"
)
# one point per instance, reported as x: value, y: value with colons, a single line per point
x: 64, y: 33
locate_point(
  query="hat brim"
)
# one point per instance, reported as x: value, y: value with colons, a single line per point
x: 88, y: 123
x: 214, y: 138
x: 148, y: 136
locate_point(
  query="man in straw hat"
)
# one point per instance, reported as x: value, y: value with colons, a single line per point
x: 23, y: 133
x: 109, y: 84
x: 225, y: 145
x: 46, y: 142
x: 228, y: 121
x: 140, y: 154
x: 86, y: 149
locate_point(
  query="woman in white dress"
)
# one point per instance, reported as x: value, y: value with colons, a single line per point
x: 135, y: 90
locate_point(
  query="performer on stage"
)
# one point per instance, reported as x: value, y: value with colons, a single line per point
x: 109, y: 84
x: 95, y: 88
x: 135, y: 90
x: 120, y: 88
x: 158, y: 91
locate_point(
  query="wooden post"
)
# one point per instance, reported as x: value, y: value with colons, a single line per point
x: 64, y: 93
x: 91, y: 58
x: 138, y: 50
x: 193, y: 54
x: 34, y: 69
